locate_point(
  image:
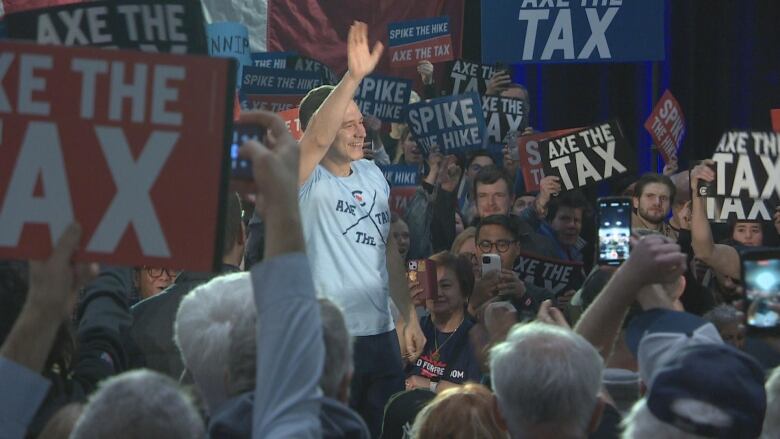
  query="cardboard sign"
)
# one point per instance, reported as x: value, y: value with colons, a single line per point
x: 122, y: 142
x: 384, y: 98
x: 531, y: 159
x: 229, y: 40
x: 293, y: 122
x: 275, y: 90
x: 588, y: 156
x: 410, y: 42
x: 174, y: 26
x: 555, y: 276
x: 666, y: 126
x: 403, y: 182
x: 503, y: 116
x: 747, y: 176
x: 454, y: 123
x: 775, y: 114
x: 572, y: 31
x: 467, y: 76
x: 12, y: 6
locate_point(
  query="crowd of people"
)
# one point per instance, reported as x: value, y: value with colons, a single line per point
x: 314, y: 329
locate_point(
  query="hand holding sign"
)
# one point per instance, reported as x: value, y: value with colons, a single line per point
x: 498, y: 82
x: 425, y: 69
x: 702, y: 172
x: 361, y: 61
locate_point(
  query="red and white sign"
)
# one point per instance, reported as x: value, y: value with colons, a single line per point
x: 530, y: 158
x: 666, y: 126
x: 131, y: 145
x: 775, y: 113
x: 293, y: 122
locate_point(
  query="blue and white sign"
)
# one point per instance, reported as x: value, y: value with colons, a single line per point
x: 271, y: 60
x: 229, y: 40
x: 572, y: 31
x: 453, y: 123
x: 384, y: 98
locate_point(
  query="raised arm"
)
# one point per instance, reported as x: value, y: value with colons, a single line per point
x: 326, y: 122
x: 290, y: 347
x: 654, y: 259
x: 722, y: 258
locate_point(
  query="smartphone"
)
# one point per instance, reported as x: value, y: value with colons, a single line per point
x: 761, y: 277
x: 490, y: 262
x: 614, y: 221
x: 241, y: 168
x: 424, y: 272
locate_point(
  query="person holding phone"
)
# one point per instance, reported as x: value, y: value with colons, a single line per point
x: 448, y: 358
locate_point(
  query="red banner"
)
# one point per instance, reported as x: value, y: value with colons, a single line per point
x: 131, y: 145
x: 530, y: 158
x: 11, y: 6
x: 666, y: 126
x: 775, y: 113
x: 288, y: 20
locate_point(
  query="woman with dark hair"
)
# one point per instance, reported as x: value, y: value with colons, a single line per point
x: 449, y: 356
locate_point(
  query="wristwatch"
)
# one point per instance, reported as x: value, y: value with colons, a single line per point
x: 434, y: 384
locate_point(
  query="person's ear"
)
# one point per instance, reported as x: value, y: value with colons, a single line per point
x: 500, y: 421
x: 635, y: 202
x: 598, y: 411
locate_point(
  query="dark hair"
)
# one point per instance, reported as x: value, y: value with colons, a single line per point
x: 461, y: 266
x: 479, y: 153
x: 491, y: 174
x: 572, y: 200
x: 732, y: 223
x: 312, y: 102
x: 498, y: 220
x: 655, y: 178
x: 232, y: 228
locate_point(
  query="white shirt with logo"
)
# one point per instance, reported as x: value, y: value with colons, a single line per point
x: 346, y: 223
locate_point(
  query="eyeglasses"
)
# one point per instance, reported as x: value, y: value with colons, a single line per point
x: 502, y: 245
x: 475, y: 168
x: 154, y: 273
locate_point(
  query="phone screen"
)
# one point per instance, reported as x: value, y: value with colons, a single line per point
x: 614, y: 230
x: 762, y: 287
x: 241, y: 168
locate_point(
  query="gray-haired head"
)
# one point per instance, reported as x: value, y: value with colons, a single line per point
x: 203, y: 330
x: 546, y: 376
x: 139, y: 404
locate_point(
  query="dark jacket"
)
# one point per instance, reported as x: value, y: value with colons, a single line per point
x: 103, y: 322
x: 153, y: 318
x: 233, y: 420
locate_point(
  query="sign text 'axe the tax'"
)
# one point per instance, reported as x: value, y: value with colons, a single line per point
x: 122, y: 142
x: 588, y: 156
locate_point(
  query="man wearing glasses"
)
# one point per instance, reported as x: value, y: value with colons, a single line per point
x: 497, y: 234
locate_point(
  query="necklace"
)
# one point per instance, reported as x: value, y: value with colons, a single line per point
x: 435, y: 355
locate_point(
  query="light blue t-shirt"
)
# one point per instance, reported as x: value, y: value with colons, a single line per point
x: 346, y: 222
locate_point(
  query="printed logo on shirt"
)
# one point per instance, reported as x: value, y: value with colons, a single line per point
x: 371, y: 232
x: 430, y: 368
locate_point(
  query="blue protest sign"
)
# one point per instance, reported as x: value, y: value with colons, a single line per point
x: 572, y: 31
x: 384, y: 98
x: 229, y: 40
x: 275, y: 90
x: 271, y: 60
x: 413, y: 41
x: 403, y: 180
x: 454, y: 123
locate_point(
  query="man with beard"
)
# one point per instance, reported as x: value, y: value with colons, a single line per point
x: 653, y: 198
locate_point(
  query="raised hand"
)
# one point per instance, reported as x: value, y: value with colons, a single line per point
x: 655, y: 259
x: 498, y: 82
x: 703, y: 172
x: 425, y: 69
x: 361, y: 61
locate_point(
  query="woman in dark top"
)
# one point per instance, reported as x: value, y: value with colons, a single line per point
x: 448, y: 358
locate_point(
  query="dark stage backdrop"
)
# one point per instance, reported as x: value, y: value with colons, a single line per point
x: 722, y: 63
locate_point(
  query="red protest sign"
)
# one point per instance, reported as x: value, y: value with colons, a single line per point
x: 399, y: 199
x: 775, y: 113
x: 666, y: 126
x: 293, y: 122
x: 530, y: 158
x: 131, y: 145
